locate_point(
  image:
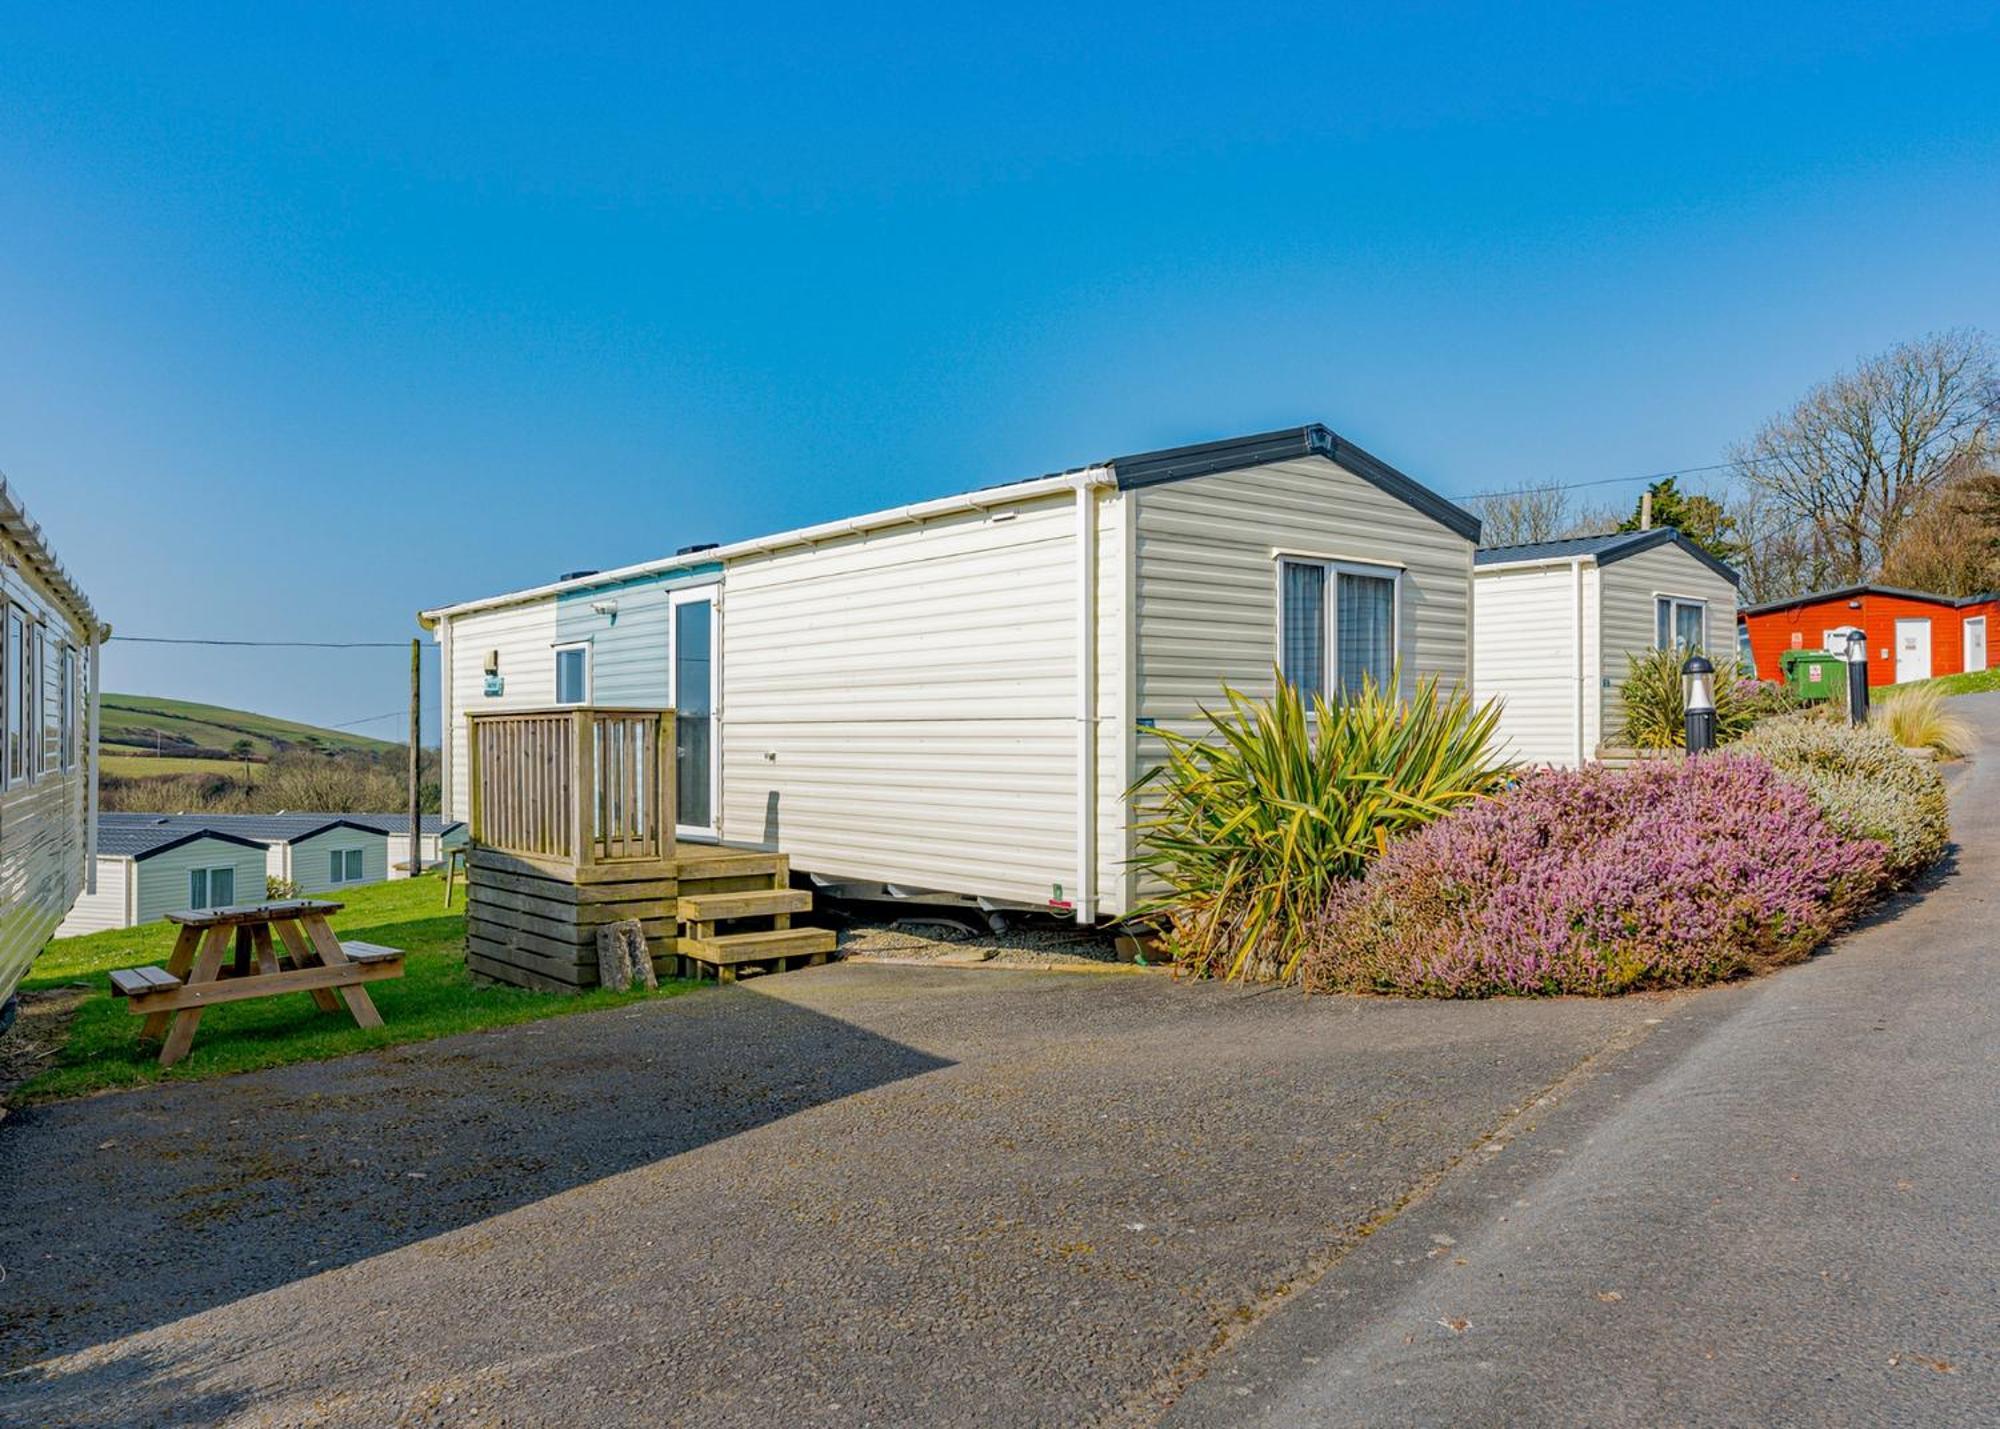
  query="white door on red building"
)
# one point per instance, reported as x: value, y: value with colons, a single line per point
x: 1913, y: 649
x: 1975, y: 643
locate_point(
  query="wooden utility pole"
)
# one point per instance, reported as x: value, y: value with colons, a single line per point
x: 1646, y: 510
x: 416, y: 744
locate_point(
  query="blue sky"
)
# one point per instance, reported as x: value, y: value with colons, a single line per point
x: 307, y: 321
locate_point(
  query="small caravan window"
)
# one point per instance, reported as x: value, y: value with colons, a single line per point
x: 572, y: 674
x: 344, y: 865
x: 1354, y: 631
x: 67, y: 717
x: 24, y: 716
x: 211, y: 887
x: 1679, y: 624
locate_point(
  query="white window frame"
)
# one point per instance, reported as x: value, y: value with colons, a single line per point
x: 208, y: 872
x: 341, y: 880
x: 556, y: 654
x: 1673, y: 617
x: 690, y: 595
x: 1335, y: 567
x: 67, y: 749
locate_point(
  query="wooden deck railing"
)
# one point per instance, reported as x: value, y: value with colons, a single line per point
x: 576, y: 786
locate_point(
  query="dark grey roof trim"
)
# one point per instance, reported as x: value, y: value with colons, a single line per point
x: 1849, y: 592
x: 1236, y: 453
x: 191, y: 837
x: 1615, y: 546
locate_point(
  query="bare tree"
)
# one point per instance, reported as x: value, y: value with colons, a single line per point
x: 1951, y: 543
x: 1780, y: 553
x: 1858, y: 454
x: 1539, y: 513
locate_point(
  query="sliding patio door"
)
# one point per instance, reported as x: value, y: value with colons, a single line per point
x: 697, y: 639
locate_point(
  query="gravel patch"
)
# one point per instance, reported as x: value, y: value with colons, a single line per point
x: 1044, y: 943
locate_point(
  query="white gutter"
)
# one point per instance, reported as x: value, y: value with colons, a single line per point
x: 1576, y: 644
x: 90, y: 770
x: 802, y: 536
x: 1087, y: 484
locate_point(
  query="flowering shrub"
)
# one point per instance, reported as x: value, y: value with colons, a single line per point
x: 1593, y: 881
x: 1866, y: 785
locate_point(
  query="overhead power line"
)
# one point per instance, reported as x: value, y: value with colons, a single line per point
x: 1618, y: 480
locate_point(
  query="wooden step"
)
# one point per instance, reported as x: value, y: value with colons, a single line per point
x: 725, y: 949
x: 710, y: 907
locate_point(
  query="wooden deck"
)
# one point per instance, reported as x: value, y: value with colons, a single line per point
x: 572, y: 829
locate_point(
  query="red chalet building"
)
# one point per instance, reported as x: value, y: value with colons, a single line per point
x: 1912, y: 634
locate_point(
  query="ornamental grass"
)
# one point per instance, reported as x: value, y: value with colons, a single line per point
x: 1254, y: 823
x: 1671, y: 874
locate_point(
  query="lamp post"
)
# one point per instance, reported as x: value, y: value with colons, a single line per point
x: 1698, y: 698
x: 1857, y: 677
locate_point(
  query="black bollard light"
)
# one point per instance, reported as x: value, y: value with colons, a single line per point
x: 1698, y: 698
x: 1857, y: 677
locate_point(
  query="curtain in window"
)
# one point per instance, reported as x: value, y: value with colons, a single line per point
x: 1687, y: 626
x: 197, y: 888
x: 1365, y: 610
x: 1663, y: 623
x: 221, y: 887
x: 1302, y: 635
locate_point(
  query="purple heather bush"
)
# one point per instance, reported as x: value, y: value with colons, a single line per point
x: 1667, y: 875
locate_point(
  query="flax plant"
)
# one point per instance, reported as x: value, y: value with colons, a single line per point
x: 1254, y: 822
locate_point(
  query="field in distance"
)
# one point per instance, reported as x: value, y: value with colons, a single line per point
x: 199, y: 736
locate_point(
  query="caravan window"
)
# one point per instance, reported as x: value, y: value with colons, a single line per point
x: 19, y: 709
x: 1350, y: 636
x: 1680, y: 624
x: 211, y: 887
x: 345, y: 865
x: 572, y: 674
x: 67, y: 715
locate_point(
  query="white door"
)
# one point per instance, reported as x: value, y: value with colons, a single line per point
x: 1913, y: 650
x: 1975, y: 644
x: 695, y: 660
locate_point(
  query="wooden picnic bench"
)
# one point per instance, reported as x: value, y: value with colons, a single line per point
x: 197, y: 976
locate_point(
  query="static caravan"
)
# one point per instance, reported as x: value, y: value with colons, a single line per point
x: 949, y: 700
x: 1554, y: 623
x: 1911, y: 634
x: 149, y: 865
x: 320, y: 853
x: 439, y: 834
x: 49, y: 641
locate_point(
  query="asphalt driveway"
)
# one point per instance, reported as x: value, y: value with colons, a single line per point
x: 852, y: 1194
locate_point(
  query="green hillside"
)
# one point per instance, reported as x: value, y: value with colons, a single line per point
x: 141, y: 724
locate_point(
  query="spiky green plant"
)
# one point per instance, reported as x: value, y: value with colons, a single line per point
x: 1656, y: 707
x: 1252, y: 823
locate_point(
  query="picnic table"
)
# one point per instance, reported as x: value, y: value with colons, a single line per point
x: 199, y: 973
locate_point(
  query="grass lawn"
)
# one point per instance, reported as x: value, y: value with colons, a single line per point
x: 433, y: 998
x: 1978, y: 682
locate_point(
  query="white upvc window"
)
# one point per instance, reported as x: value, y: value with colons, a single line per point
x: 573, y: 674
x: 211, y: 887
x: 1679, y: 623
x: 68, y: 715
x: 344, y: 865
x: 1337, y: 624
